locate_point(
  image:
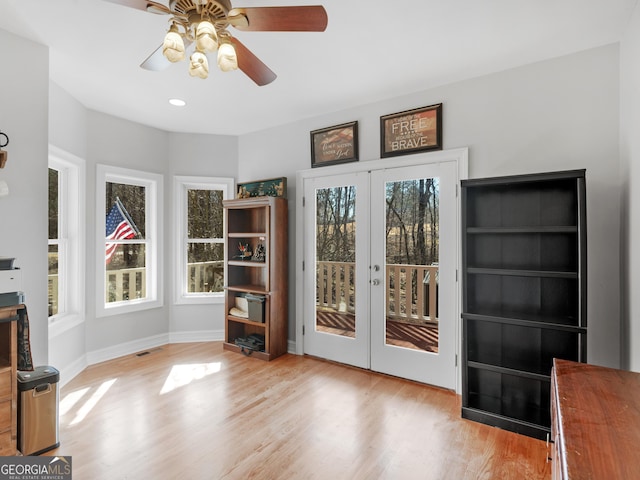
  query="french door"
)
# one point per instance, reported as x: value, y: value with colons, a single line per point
x: 379, y: 282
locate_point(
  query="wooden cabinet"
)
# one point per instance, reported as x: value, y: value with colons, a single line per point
x: 595, y: 422
x: 258, y: 225
x: 8, y: 380
x: 524, y: 302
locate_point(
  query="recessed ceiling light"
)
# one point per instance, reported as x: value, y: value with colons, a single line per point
x: 176, y: 102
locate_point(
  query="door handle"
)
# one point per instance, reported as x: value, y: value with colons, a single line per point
x: 375, y: 281
x: 376, y: 268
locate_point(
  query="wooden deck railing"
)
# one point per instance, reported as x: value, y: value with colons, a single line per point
x: 411, y: 290
x: 126, y: 284
x: 205, y: 276
x: 130, y: 283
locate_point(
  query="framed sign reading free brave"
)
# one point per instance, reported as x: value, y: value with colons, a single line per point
x: 411, y: 131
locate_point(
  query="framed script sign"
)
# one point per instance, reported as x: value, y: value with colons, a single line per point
x: 411, y: 131
x: 337, y: 144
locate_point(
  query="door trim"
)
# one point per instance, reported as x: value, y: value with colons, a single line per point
x: 459, y: 155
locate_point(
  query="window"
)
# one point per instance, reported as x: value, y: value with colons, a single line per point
x: 66, y: 251
x: 128, y: 240
x: 200, y: 238
x: 56, y: 297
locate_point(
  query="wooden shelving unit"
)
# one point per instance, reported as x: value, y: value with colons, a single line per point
x: 8, y: 379
x: 253, y: 222
x: 524, y: 294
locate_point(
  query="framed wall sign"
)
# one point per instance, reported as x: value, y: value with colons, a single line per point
x: 274, y: 187
x: 411, y: 131
x: 332, y: 145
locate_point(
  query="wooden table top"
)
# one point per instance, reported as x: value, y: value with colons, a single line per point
x: 598, y: 420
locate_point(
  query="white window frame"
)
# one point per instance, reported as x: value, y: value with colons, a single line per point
x: 154, y: 201
x: 181, y: 185
x: 71, y: 240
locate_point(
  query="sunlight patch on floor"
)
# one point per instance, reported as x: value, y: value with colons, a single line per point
x: 92, y: 402
x: 67, y: 403
x: 182, y: 375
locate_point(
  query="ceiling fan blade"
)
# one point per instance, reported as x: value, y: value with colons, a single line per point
x: 251, y: 65
x: 144, y: 5
x: 156, y: 61
x: 310, y: 18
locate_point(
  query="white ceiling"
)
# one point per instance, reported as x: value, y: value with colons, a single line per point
x: 371, y: 50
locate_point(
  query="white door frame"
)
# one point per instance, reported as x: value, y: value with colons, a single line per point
x: 459, y: 155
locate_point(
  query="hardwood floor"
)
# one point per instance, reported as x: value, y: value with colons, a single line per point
x: 195, y: 411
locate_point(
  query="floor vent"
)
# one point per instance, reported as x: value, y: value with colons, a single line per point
x: 147, y: 352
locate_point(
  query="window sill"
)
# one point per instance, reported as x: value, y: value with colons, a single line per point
x: 120, y: 308
x: 196, y: 299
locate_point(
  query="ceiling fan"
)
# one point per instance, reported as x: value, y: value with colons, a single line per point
x: 201, y: 26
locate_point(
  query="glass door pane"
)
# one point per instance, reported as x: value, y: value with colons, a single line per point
x: 412, y: 259
x: 413, y: 272
x: 335, y: 260
x: 336, y: 267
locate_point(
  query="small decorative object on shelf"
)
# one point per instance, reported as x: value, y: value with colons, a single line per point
x: 259, y: 254
x: 273, y: 187
x: 245, y: 251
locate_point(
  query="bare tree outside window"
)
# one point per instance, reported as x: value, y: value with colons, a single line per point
x: 205, y: 244
x: 53, y: 255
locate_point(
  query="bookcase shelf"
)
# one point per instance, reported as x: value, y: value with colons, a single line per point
x: 253, y: 224
x: 524, y: 303
x: 8, y: 378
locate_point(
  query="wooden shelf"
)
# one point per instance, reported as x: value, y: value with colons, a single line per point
x: 9, y: 379
x: 258, y: 220
x: 520, y: 273
x: 247, y: 263
x: 259, y: 289
x: 516, y: 230
x: 524, y: 302
x: 533, y: 321
x: 233, y: 318
x: 246, y: 235
x: 254, y: 354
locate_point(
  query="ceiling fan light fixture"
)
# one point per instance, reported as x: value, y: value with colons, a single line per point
x: 198, y: 65
x: 206, y: 37
x: 227, y: 58
x: 173, y: 45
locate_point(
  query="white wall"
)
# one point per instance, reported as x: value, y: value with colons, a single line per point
x: 23, y: 117
x: 630, y: 197
x: 207, y: 156
x: 555, y: 115
x: 103, y: 139
x: 68, y: 131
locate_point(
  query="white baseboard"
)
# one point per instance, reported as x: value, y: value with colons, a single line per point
x: 196, y: 336
x: 116, y: 351
x: 69, y: 372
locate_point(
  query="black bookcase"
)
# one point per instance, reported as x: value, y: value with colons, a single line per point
x: 524, y: 294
